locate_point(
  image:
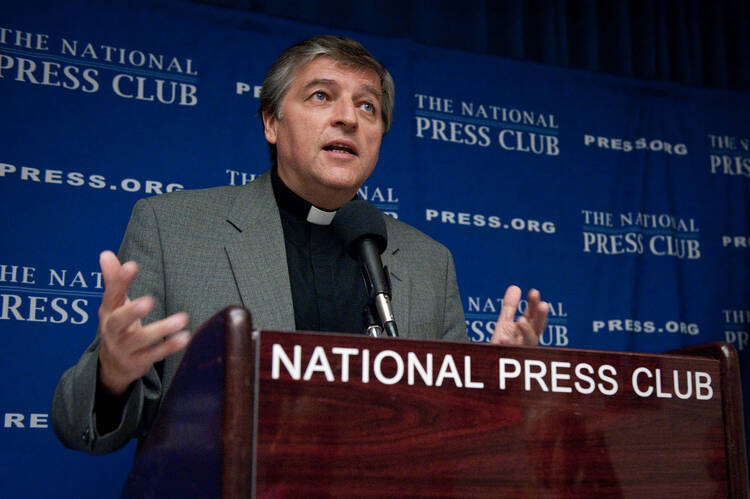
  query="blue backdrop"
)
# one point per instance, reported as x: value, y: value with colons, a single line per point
x: 625, y: 202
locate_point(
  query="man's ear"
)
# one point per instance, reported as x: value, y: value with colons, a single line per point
x: 269, y: 126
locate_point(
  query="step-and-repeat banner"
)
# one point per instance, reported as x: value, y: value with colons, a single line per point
x: 625, y: 202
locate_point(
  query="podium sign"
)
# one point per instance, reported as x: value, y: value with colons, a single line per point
x: 350, y: 416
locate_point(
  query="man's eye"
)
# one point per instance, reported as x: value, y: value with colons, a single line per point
x: 368, y: 107
x: 319, y: 96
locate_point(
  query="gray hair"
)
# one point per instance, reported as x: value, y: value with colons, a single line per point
x: 283, y: 71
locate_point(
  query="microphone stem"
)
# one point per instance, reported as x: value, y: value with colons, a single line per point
x: 391, y: 329
x: 383, y: 305
x: 373, y: 329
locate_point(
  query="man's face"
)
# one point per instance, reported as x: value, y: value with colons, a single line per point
x: 329, y: 133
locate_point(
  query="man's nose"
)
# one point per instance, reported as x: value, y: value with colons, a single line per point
x: 344, y: 114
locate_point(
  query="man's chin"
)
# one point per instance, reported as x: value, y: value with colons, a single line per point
x: 344, y: 179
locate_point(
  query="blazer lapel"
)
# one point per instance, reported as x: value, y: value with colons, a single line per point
x: 257, y: 256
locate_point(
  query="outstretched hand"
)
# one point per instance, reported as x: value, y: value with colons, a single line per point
x: 128, y: 349
x: 529, y: 327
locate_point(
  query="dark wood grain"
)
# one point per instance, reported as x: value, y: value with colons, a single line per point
x: 734, y: 418
x: 317, y: 438
x: 227, y: 428
x: 237, y: 422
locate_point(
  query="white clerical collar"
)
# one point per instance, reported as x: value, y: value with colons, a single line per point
x: 301, y: 209
x: 320, y: 217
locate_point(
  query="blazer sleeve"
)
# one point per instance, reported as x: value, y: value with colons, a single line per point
x: 453, y: 313
x: 73, y: 414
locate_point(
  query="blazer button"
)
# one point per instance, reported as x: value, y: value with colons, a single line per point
x: 85, y: 436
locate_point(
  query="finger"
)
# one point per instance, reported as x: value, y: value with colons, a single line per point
x: 539, y: 318
x: 154, y: 333
x: 130, y: 354
x: 510, y: 303
x: 503, y: 334
x: 110, y: 266
x: 526, y: 333
x: 537, y: 311
x: 117, y: 372
x: 119, y: 285
x: 534, y: 298
x: 116, y: 324
x: 508, y: 333
x: 117, y: 278
x: 159, y: 351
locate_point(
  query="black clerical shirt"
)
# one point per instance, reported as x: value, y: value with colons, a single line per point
x: 328, y: 292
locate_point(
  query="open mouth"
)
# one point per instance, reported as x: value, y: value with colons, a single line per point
x: 341, y: 148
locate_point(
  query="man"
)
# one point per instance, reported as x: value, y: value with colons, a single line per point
x: 326, y: 105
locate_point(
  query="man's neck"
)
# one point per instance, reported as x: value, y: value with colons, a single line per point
x: 324, y: 198
x: 293, y: 203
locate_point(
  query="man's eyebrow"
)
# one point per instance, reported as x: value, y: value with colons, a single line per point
x: 319, y: 81
x: 333, y: 83
x: 372, y: 90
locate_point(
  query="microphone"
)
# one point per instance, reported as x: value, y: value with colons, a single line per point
x: 362, y: 228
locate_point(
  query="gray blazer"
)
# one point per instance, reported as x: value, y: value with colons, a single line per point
x: 200, y: 251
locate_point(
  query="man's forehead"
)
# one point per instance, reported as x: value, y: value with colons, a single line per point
x: 327, y: 70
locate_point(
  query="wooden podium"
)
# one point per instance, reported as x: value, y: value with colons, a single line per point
x: 273, y: 414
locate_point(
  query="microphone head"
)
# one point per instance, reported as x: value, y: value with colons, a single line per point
x: 356, y: 220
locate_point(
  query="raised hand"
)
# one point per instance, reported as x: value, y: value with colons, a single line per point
x: 127, y: 348
x: 529, y: 327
